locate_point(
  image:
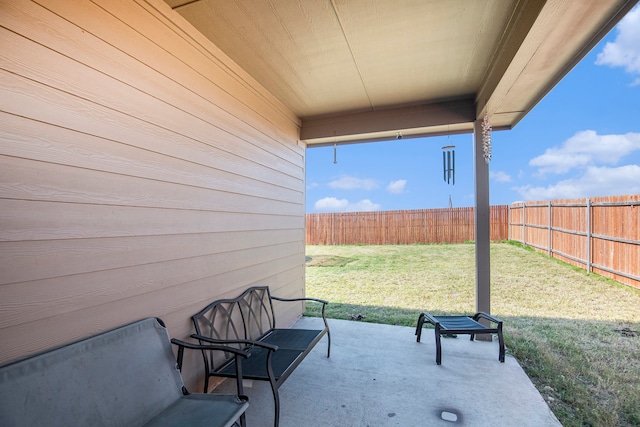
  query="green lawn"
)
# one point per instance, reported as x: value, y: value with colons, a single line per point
x: 577, y: 335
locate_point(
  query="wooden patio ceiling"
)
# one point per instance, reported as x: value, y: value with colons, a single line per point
x: 366, y: 70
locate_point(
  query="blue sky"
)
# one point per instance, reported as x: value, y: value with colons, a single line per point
x: 581, y: 140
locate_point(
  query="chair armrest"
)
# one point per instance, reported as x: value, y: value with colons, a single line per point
x: 238, y: 355
x: 487, y: 316
x: 194, y: 346
x: 183, y: 344
x: 321, y: 301
x: 300, y: 299
x: 226, y: 342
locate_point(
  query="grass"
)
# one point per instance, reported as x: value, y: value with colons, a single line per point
x: 577, y: 335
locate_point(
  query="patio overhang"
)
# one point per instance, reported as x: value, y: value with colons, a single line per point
x: 362, y: 71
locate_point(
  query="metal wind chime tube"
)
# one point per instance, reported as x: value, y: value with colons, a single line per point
x: 449, y: 164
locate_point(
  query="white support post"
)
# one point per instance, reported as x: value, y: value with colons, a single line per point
x: 482, y: 224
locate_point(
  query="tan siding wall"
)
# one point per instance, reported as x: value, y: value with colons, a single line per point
x: 142, y: 173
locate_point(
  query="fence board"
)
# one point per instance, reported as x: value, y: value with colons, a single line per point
x: 455, y: 225
x: 601, y: 234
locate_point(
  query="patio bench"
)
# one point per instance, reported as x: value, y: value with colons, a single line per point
x: 449, y: 325
x: 248, y: 321
x: 127, y: 376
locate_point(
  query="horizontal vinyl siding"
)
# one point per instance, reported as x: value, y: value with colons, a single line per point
x: 142, y: 173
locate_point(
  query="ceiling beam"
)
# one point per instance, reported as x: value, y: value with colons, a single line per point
x: 524, y: 16
x: 544, y: 41
x: 401, y: 119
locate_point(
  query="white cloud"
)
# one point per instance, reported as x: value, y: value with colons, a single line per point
x: 365, y: 205
x: 331, y: 204
x: 596, y: 181
x: 624, y: 51
x: 397, y: 187
x: 586, y: 148
x: 499, y: 176
x: 352, y: 183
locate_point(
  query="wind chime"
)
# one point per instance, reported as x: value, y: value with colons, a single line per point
x: 449, y: 164
x: 486, y: 139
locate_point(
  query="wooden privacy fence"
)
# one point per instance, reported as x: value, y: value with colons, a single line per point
x: 600, y: 234
x: 454, y: 225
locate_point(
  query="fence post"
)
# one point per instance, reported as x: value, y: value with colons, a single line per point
x: 509, y: 222
x: 549, y: 228
x: 588, y: 235
x: 524, y: 223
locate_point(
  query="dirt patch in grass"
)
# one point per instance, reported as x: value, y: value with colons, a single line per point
x: 327, y: 261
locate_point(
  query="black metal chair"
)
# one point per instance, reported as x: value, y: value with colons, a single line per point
x: 248, y: 322
x: 450, y: 325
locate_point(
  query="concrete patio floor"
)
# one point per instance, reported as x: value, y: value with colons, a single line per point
x: 378, y: 375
